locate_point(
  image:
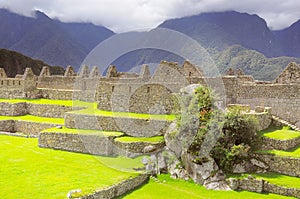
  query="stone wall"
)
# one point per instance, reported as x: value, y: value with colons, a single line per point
x: 126, y: 148
x: 260, y: 185
x: 272, y: 188
x: 90, y: 144
x: 285, y: 165
x: 41, y: 110
x: 284, y: 99
x: 57, y: 94
x: 31, y: 128
x: 13, y: 109
x: 119, y: 188
x: 130, y: 126
x: 56, y: 82
x: 7, y: 126
x: 48, y: 110
x: 269, y: 144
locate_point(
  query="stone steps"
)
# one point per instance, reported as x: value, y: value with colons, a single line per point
x: 285, y: 123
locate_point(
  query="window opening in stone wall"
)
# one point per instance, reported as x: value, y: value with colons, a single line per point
x: 148, y: 89
x: 112, y: 88
x: 129, y: 89
x: 1, y: 82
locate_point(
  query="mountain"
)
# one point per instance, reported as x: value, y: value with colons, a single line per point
x: 15, y: 63
x: 289, y: 39
x: 52, y: 41
x: 232, y: 39
x: 219, y: 30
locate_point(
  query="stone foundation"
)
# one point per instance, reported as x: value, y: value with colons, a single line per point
x: 90, y: 144
x: 131, y: 126
x: 269, y: 144
x: 285, y: 165
x: 119, y: 189
x: 260, y: 186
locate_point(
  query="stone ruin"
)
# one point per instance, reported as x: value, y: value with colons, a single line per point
x: 154, y: 94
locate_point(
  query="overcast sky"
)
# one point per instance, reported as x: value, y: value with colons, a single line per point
x: 127, y: 15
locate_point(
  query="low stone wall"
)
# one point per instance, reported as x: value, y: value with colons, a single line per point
x: 119, y: 189
x: 48, y: 110
x: 285, y: 165
x: 126, y: 148
x: 13, y: 109
x: 272, y: 188
x: 57, y: 94
x: 7, y: 125
x: 269, y: 144
x: 31, y: 128
x: 130, y: 126
x: 260, y: 185
x: 90, y: 144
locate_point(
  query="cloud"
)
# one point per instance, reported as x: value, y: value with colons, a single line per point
x: 125, y: 15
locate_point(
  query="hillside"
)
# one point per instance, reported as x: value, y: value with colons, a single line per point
x: 15, y: 63
x: 52, y: 41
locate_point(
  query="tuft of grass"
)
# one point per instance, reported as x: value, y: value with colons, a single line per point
x: 275, y: 178
x: 280, y: 133
x: 31, y: 118
x: 128, y: 139
x: 46, y: 174
x: 295, y: 152
x: 83, y: 131
x: 166, y: 187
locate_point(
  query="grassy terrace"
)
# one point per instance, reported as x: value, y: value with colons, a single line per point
x: 280, y: 133
x: 97, y: 112
x: 127, y: 139
x: 91, y: 109
x: 167, y: 187
x: 83, y: 131
x: 277, y: 179
x: 295, y: 152
x: 31, y: 172
x: 31, y: 118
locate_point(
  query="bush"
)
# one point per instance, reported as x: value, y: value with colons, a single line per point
x: 238, y: 138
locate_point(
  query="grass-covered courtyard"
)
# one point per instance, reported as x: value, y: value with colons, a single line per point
x: 27, y: 171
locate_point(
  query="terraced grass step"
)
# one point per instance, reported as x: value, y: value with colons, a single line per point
x: 268, y: 182
x: 109, y: 143
x: 139, y: 145
x: 80, y: 140
x: 28, y: 124
x: 279, y: 161
x: 280, y: 138
x: 41, y: 107
x: 133, y: 124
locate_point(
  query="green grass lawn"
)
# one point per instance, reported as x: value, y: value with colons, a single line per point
x: 127, y: 139
x: 170, y: 188
x: 279, y: 133
x: 27, y: 171
x: 295, y: 152
x: 83, y: 131
x: 277, y: 179
x: 31, y: 118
